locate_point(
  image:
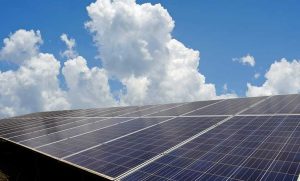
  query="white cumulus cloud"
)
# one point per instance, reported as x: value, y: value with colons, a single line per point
x: 246, y: 60
x: 283, y: 77
x: 136, y: 46
x: 70, y: 43
x: 87, y: 88
x: 136, y: 90
x: 34, y: 86
x: 21, y: 46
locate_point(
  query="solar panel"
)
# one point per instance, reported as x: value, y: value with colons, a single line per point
x: 281, y: 104
x: 234, y: 139
x: 226, y: 107
x: 243, y: 148
x: 152, y: 110
x: 185, y: 108
x: 134, y: 149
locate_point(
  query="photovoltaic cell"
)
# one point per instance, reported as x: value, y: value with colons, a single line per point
x: 104, y: 113
x: 27, y: 124
x: 119, y: 156
x: 235, y: 139
x: 34, y: 124
x: 90, y: 112
x: 80, y: 140
x: 86, y: 112
x: 125, y: 111
x: 243, y: 148
x: 26, y: 134
x: 184, y: 108
x: 281, y: 104
x: 226, y: 107
x: 151, y: 110
x: 82, y: 113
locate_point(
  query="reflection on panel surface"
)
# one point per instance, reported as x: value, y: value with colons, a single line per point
x: 287, y: 104
x: 243, y: 148
x: 227, y: 107
x: 235, y: 139
x: 87, y: 139
x: 119, y: 156
x: 184, y: 108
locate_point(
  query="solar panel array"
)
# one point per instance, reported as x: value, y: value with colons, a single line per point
x: 233, y: 139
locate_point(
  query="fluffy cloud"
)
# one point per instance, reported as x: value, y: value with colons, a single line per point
x: 70, y: 43
x: 283, y: 77
x: 87, y: 88
x: 132, y: 39
x: 20, y: 46
x: 136, y: 46
x: 136, y: 90
x: 246, y: 60
x: 34, y: 85
x: 256, y: 75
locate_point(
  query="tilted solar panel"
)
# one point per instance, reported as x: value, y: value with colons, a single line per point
x: 226, y: 107
x: 134, y: 149
x: 185, y: 108
x: 243, y: 148
x: 233, y: 139
x: 281, y: 104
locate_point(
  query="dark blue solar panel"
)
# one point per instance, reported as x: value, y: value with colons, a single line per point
x: 108, y: 126
x: 7, y: 121
x: 151, y: 110
x: 79, y: 142
x: 184, y: 108
x: 227, y: 107
x: 281, y: 104
x: 18, y: 126
x: 99, y: 112
x: 125, y: 111
x: 19, y: 123
x: 34, y: 124
x: 52, y: 137
x: 26, y: 134
x: 270, y: 151
x: 243, y: 148
x: 120, y: 155
x: 86, y: 112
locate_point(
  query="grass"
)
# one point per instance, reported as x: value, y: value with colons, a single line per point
x: 3, y: 177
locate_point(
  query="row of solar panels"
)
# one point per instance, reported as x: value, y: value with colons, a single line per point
x: 289, y: 104
x: 205, y: 140
x: 243, y: 148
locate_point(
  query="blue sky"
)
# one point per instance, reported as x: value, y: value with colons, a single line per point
x: 219, y: 30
